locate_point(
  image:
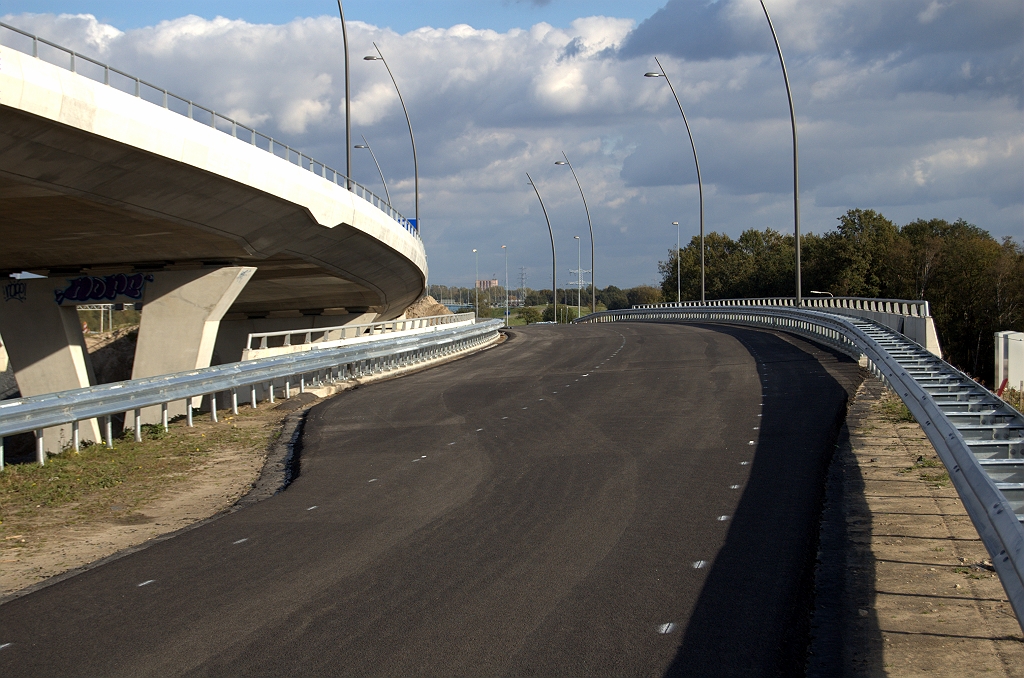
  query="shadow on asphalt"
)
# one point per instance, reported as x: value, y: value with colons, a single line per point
x: 765, y: 571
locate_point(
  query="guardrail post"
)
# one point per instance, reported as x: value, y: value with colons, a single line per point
x: 75, y: 442
x: 40, y: 448
x: 234, y: 401
x: 138, y: 88
x: 270, y: 391
x: 188, y: 412
x: 288, y: 387
x: 163, y: 416
x: 138, y: 425
x: 302, y: 383
x: 252, y: 396
x: 110, y: 432
x: 213, y: 407
x: 106, y: 75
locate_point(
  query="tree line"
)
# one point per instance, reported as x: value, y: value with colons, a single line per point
x: 974, y: 283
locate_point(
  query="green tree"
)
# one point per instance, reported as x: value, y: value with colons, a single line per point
x: 529, y: 314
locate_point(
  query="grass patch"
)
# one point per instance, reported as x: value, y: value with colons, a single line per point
x: 96, y: 481
x: 894, y: 410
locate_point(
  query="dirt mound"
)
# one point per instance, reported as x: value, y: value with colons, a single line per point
x: 113, y: 353
x: 426, y: 306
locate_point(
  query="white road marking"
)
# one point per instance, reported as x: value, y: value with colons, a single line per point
x: 241, y: 541
x: 524, y: 408
x: 585, y: 375
x: 415, y: 460
x: 722, y: 519
x: 664, y: 629
x: 734, y: 487
x: 311, y: 508
x: 5, y: 645
x: 756, y: 427
x: 751, y: 442
x: 504, y: 417
x: 540, y: 399
x: 372, y: 480
x: 148, y: 581
x: 760, y: 414
x: 454, y: 443
x: 699, y: 565
x: 479, y: 429
x: 744, y: 463
x: 423, y: 456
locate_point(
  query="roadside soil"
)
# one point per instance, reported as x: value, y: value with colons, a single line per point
x: 922, y: 597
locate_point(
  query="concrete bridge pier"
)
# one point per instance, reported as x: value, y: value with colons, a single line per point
x: 181, y: 316
x: 46, y: 348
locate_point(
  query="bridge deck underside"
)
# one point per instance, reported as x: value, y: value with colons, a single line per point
x: 75, y: 203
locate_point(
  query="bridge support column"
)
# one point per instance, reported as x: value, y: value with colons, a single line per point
x: 181, y: 314
x: 46, y: 349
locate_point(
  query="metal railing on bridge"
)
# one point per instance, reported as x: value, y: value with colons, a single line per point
x: 916, y: 308
x: 978, y: 437
x: 191, y: 110
x: 322, y: 335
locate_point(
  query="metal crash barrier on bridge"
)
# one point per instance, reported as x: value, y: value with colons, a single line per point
x: 36, y: 413
x: 978, y: 437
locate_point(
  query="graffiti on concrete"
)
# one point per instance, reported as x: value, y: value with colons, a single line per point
x: 106, y: 288
x: 15, y: 290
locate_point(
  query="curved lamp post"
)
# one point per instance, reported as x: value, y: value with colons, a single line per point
x: 593, y: 288
x: 700, y: 186
x: 348, y: 106
x: 554, y: 267
x: 476, y: 284
x: 366, y: 145
x: 679, y: 265
x: 503, y: 247
x: 415, y: 164
x: 796, y: 164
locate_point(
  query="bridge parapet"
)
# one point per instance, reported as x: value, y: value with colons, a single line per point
x: 910, y: 317
x: 89, y: 67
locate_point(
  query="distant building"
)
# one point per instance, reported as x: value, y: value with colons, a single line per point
x: 486, y: 284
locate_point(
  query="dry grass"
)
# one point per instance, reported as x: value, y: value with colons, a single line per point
x: 74, y: 487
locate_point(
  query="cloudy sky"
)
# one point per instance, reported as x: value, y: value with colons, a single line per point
x: 912, y: 108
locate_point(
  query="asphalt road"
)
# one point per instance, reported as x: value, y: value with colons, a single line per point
x: 617, y: 499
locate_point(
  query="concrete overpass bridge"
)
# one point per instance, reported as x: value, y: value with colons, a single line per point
x: 117, y: 191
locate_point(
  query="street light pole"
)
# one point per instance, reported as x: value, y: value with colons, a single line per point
x: 679, y: 265
x: 476, y: 284
x: 554, y: 266
x: 700, y: 185
x: 348, y: 106
x: 415, y: 164
x: 579, y: 276
x: 366, y: 145
x: 796, y: 162
x: 593, y: 288
x: 506, y: 284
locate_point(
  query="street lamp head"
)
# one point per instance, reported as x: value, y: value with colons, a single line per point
x: 360, y: 146
x: 561, y: 162
x: 502, y: 247
x: 474, y: 251
x: 675, y: 223
x: 646, y: 75
x: 575, y: 237
x: 371, y: 58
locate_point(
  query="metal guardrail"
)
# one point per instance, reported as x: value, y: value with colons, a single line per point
x: 36, y: 413
x: 218, y: 122
x: 340, y: 332
x: 978, y: 437
x: 917, y: 308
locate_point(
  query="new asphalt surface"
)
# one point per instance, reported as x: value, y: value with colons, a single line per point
x: 630, y: 499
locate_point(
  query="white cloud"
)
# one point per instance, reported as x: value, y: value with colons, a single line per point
x: 892, y: 117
